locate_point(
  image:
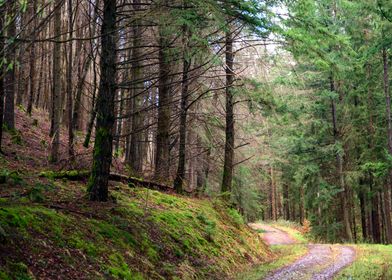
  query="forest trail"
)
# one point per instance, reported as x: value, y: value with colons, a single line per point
x: 322, y: 261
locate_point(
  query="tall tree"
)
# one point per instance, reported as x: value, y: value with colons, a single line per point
x: 56, y: 87
x: 102, y: 155
x: 229, y: 142
x: 2, y: 20
x: 69, y: 80
x: 164, y: 103
x: 9, y: 114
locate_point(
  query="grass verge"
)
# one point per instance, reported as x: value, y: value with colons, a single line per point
x: 373, y: 262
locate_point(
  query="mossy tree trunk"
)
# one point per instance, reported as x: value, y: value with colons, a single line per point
x: 102, y: 156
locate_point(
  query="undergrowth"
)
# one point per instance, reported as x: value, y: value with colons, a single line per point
x: 143, y: 234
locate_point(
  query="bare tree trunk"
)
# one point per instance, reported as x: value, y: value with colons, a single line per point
x: 135, y: 158
x: 56, y: 89
x: 69, y: 81
x: 93, y: 113
x: 228, y: 166
x: 9, y: 110
x: 2, y: 20
x: 286, y: 206
x: 387, y: 186
x: 164, y: 111
x: 103, y: 146
x: 83, y: 74
x: 273, y: 195
x: 180, y: 176
x: 32, y: 63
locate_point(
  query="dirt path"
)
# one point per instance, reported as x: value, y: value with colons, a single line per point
x: 273, y: 236
x: 322, y: 261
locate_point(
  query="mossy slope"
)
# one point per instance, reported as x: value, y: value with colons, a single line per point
x: 143, y: 235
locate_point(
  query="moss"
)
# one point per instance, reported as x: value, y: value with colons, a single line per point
x: 19, y: 271
x: 119, y: 269
x: 4, y: 275
x: 77, y: 241
x: 144, y: 227
x: 236, y: 217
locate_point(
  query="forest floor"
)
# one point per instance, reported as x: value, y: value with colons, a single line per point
x: 50, y: 230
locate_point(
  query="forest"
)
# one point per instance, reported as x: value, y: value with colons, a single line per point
x: 195, y: 139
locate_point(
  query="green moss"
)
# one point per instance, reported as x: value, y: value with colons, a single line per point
x: 78, y: 242
x: 144, y: 227
x: 236, y: 217
x: 4, y: 275
x: 19, y: 271
x: 119, y: 269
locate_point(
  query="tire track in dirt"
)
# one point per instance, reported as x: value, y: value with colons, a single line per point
x: 321, y: 262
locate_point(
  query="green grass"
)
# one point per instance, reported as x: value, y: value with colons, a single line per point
x: 373, y: 262
x: 145, y: 234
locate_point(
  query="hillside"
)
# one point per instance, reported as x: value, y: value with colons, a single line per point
x: 50, y: 230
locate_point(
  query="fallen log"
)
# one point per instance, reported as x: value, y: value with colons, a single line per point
x: 76, y: 175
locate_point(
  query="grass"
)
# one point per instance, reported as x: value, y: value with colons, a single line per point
x: 373, y: 262
x: 144, y: 234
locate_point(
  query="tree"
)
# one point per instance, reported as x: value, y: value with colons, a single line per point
x: 102, y: 155
x: 229, y: 142
x: 56, y: 87
x: 9, y: 115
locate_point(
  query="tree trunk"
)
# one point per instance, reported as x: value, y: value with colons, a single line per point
x: 2, y: 20
x: 273, y: 195
x: 9, y: 110
x: 362, y: 203
x: 102, y: 156
x: 339, y: 169
x: 180, y: 176
x: 387, y: 186
x: 69, y: 81
x: 135, y: 158
x: 164, y: 112
x: 56, y: 89
x: 32, y: 63
x: 286, y: 206
x: 93, y: 113
x: 228, y: 165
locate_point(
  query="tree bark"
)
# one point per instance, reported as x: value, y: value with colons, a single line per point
x: 56, y: 88
x: 2, y: 20
x: 228, y: 166
x: 164, y: 111
x: 82, y: 76
x: 102, y: 155
x: 9, y: 107
x: 135, y: 158
x: 32, y: 63
x: 180, y: 176
x: 387, y: 186
x: 69, y: 81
